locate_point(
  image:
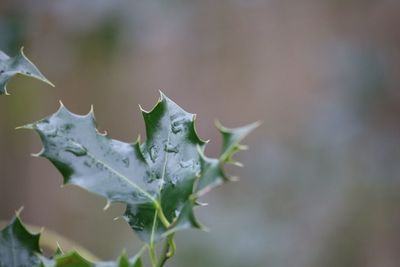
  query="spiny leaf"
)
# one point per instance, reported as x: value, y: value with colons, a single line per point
x: 212, y: 172
x: 18, y: 247
x: 73, y: 259
x: 156, y: 179
x: 20, y: 64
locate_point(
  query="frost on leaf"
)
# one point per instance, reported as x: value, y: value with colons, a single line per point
x: 20, y: 64
x: 159, y: 179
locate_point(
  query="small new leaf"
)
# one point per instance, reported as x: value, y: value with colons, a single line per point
x: 212, y: 170
x: 20, y: 64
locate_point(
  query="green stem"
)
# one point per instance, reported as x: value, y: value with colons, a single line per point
x: 152, y: 249
x: 168, y: 250
x: 169, y: 246
x: 161, y: 215
x: 153, y: 255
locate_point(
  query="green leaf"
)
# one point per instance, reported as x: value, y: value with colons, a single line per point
x: 73, y: 259
x: 122, y: 262
x: 18, y: 247
x: 212, y: 170
x: 20, y: 64
x: 156, y: 179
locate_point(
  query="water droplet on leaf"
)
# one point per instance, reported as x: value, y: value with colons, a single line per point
x: 171, y: 149
x: 153, y: 153
x: 174, y: 180
x: 51, y: 132
x: 178, y: 125
x: 76, y: 149
x: 87, y: 164
x: 66, y: 128
x: 126, y: 162
x: 186, y: 164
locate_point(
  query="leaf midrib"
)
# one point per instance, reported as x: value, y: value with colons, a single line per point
x: 123, y: 177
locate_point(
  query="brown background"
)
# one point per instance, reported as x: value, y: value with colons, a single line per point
x: 320, y: 185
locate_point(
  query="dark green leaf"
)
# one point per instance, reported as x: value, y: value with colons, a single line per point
x: 122, y: 262
x: 73, y: 259
x: 20, y: 64
x: 18, y: 247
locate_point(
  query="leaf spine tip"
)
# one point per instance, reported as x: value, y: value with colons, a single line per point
x: 108, y: 204
x: 201, y: 204
x: 49, y: 83
x: 30, y: 126
x: 35, y: 155
x: 91, y: 111
x: 39, y: 154
x: 5, y: 91
x: 162, y: 96
x: 242, y: 147
x: 138, y: 139
x: 204, y: 228
x: 233, y: 178
x: 18, y: 212
x: 220, y: 127
x: 59, y: 247
x: 258, y: 123
x: 236, y: 163
x: 105, y: 133
x: 21, y: 51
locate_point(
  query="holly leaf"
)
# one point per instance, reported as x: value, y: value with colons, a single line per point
x: 159, y: 179
x: 212, y: 170
x: 20, y: 64
x: 74, y: 259
x: 18, y: 247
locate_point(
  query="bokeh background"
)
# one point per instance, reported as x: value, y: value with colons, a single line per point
x: 320, y: 186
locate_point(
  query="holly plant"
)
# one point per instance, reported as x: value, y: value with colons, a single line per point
x: 160, y: 179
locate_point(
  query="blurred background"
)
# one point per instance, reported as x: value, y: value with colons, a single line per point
x: 320, y: 186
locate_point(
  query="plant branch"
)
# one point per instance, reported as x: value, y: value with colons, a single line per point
x: 168, y: 250
x: 161, y: 215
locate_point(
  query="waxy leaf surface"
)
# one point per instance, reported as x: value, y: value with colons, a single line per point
x: 159, y: 179
x: 18, y: 247
x: 73, y: 259
x: 20, y: 64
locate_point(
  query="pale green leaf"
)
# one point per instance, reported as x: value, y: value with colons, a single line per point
x: 20, y: 64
